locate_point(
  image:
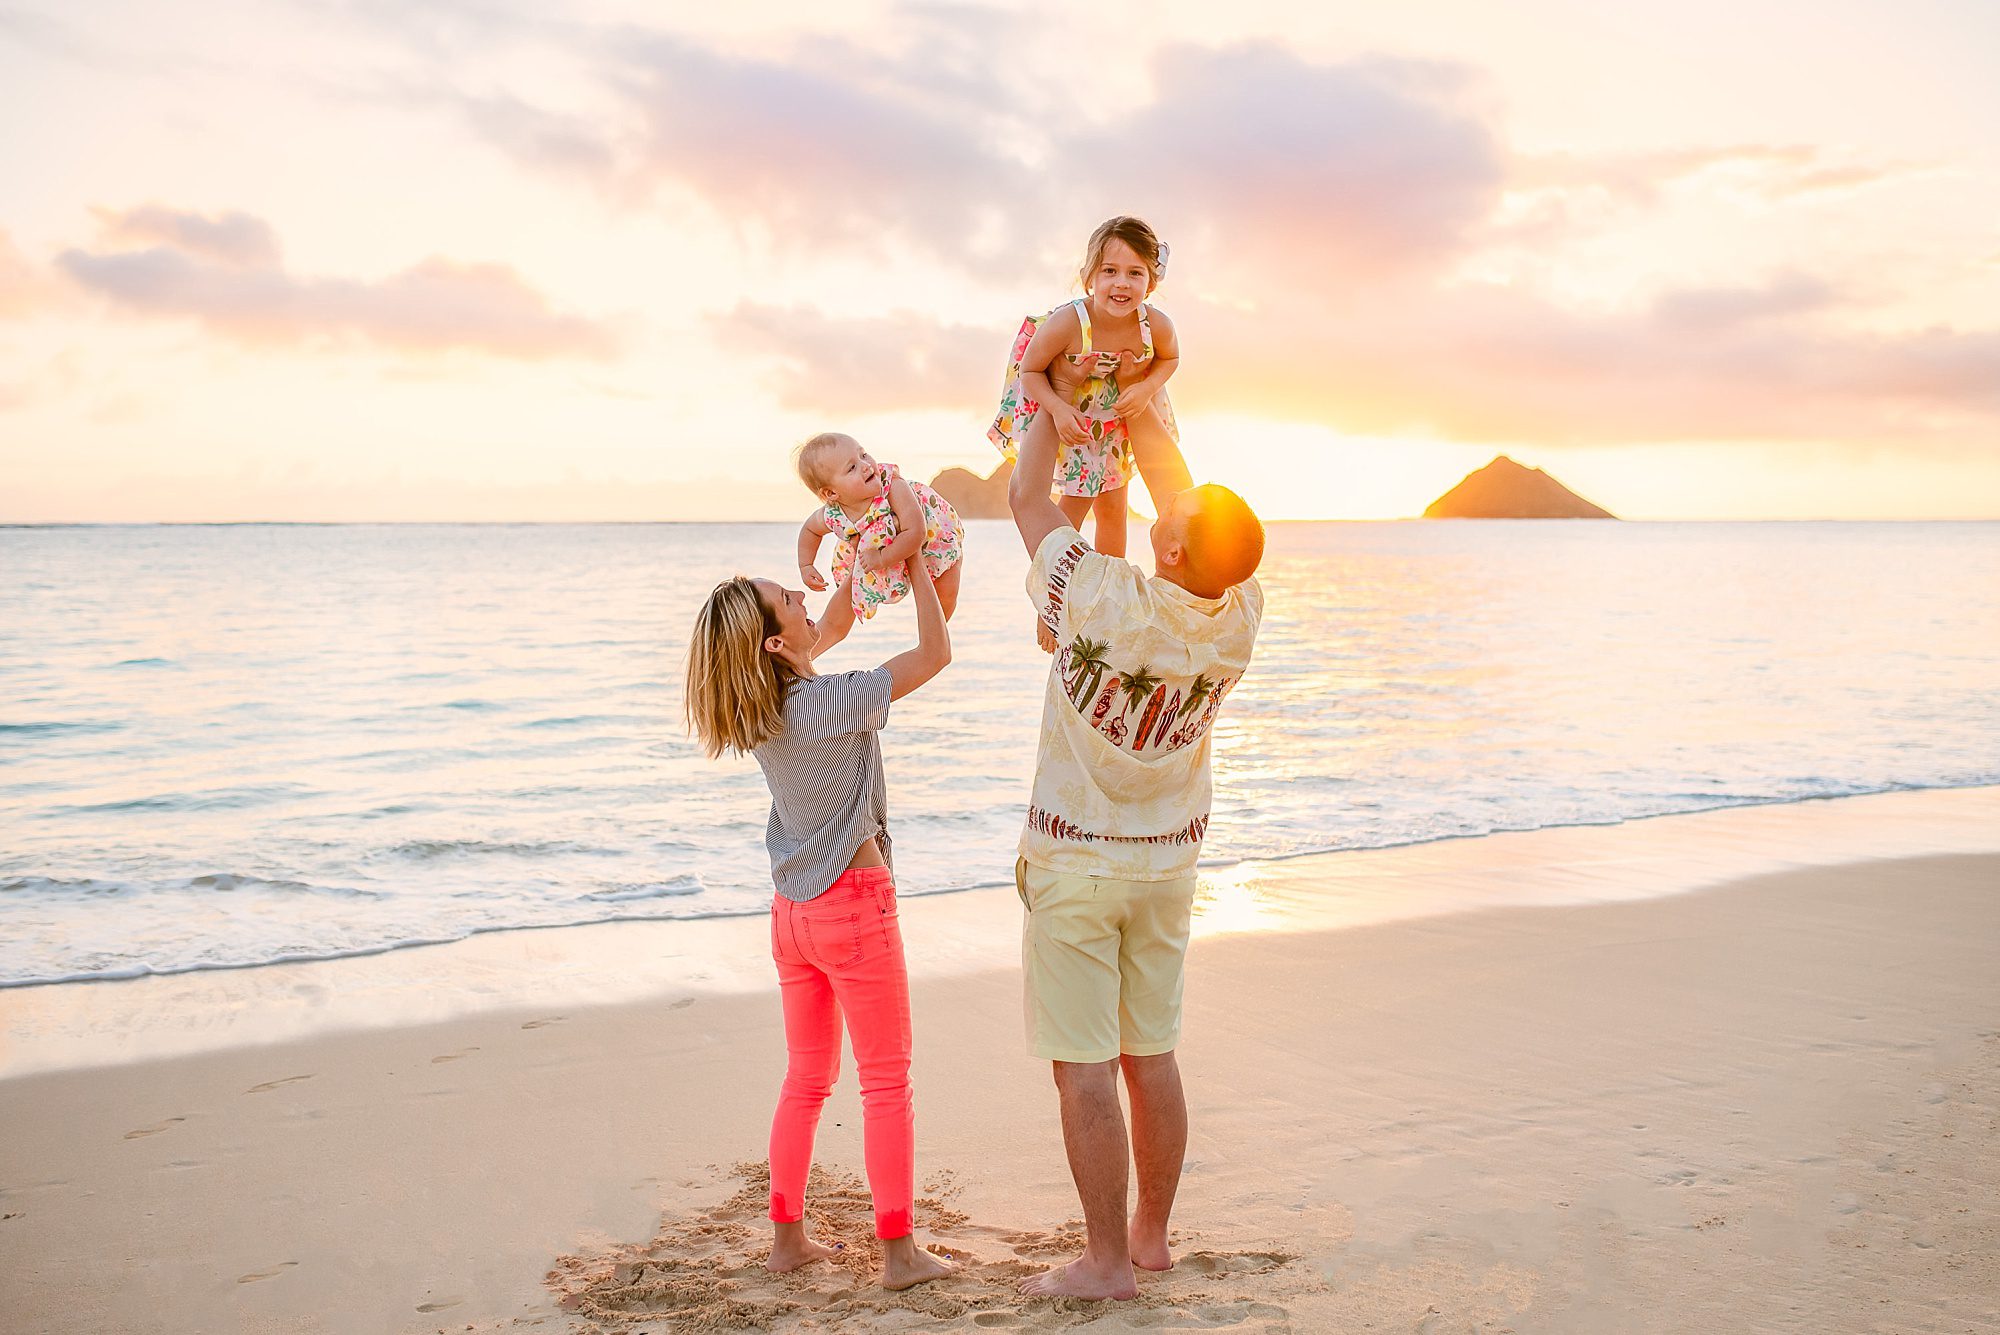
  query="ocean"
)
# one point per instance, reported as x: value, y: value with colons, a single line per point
x: 229, y: 746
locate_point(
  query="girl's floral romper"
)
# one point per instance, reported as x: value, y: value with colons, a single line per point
x: 875, y: 526
x: 1104, y: 463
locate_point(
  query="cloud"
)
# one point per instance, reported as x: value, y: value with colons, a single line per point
x: 1329, y: 173
x: 895, y: 363
x: 1359, y: 168
x: 1474, y: 363
x: 234, y: 238
x: 1775, y: 172
x: 224, y: 272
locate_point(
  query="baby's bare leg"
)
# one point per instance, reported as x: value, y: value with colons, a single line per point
x: 947, y: 588
x: 837, y: 620
x: 1159, y: 457
x: 1109, y: 507
x: 1074, y: 508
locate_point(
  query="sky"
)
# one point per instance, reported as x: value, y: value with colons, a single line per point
x: 484, y: 260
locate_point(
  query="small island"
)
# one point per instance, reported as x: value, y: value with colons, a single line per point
x: 1507, y: 490
x: 976, y: 497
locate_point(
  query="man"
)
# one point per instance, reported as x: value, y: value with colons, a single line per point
x: 1115, y: 823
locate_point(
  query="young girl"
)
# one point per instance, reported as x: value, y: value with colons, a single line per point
x: 878, y: 522
x: 834, y: 931
x: 1094, y: 372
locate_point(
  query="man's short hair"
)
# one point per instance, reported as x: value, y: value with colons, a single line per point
x: 1225, y: 539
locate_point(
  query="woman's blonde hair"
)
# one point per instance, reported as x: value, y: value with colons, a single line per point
x: 1133, y: 232
x: 735, y: 698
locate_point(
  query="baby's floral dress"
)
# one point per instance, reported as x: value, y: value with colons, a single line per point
x: 875, y: 526
x: 1104, y: 462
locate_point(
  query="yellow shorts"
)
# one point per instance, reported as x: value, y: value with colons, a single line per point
x: 1103, y: 962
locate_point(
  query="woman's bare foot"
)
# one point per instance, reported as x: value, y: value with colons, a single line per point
x: 905, y: 1265
x: 793, y: 1248
x: 1149, y: 1248
x: 1083, y: 1278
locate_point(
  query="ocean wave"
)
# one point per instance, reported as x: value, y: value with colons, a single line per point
x: 225, y: 882
x: 56, y: 729
x: 426, y: 849
x: 218, y: 799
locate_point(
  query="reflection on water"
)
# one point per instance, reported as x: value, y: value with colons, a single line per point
x: 1235, y: 899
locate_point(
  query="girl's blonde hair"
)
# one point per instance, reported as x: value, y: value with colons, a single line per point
x: 1133, y: 232
x: 735, y: 697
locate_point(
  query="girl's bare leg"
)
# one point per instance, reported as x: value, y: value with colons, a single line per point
x: 1109, y: 507
x: 1074, y: 509
x: 1160, y: 463
x: 837, y: 620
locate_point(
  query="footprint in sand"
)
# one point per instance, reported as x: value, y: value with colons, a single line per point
x: 439, y: 1306
x: 682, y: 1004
x: 542, y: 1024
x: 153, y: 1130
x: 453, y: 1056
x: 1233, y: 1263
x: 274, y: 1271
x: 270, y: 1085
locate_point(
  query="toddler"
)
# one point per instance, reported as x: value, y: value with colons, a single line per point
x: 878, y: 520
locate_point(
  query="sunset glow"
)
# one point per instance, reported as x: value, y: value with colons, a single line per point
x: 357, y: 261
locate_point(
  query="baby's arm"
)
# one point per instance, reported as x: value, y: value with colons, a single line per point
x: 1134, y: 398
x: 810, y: 533
x: 909, y: 529
x: 1052, y: 338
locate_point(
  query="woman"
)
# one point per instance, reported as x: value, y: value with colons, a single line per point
x: 751, y: 688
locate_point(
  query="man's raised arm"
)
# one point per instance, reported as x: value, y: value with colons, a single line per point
x: 1035, y: 513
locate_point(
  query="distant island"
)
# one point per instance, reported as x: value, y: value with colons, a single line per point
x: 1506, y: 490
x: 976, y: 497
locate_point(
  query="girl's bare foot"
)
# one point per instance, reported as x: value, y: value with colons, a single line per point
x: 904, y: 1264
x: 793, y: 1249
x: 1045, y: 637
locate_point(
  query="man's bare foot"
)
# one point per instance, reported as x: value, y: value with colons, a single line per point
x: 1083, y: 1278
x: 905, y: 1265
x: 1045, y: 637
x: 793, y: 1249
x: 1149, y: 1249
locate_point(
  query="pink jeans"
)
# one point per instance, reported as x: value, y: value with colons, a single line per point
x: 844, y: 952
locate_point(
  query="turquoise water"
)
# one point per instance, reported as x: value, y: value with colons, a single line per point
x: 228, y: 746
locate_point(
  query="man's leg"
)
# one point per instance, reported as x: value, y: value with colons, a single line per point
x: 1159, y: 1146
x: 1094, y: 1138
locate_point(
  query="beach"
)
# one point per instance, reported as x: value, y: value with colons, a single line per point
x: 1736, y: 1070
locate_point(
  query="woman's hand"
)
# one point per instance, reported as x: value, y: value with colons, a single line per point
x: 814, y: 580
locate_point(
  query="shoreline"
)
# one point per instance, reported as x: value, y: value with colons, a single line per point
x: 1215, y: 869
x: 81, y: 1023
x: 1773, y: 1103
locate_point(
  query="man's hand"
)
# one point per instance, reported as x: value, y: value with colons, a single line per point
x: 1131, y: 402
x: 1072, y: 427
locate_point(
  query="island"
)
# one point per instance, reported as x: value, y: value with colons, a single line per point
x: 1507, y: 490
x: 976, y: 497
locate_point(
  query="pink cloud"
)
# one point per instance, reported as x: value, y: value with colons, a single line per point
x: 224, y: 273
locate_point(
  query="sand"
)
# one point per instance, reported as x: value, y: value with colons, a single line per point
x: 1768, y: 1104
